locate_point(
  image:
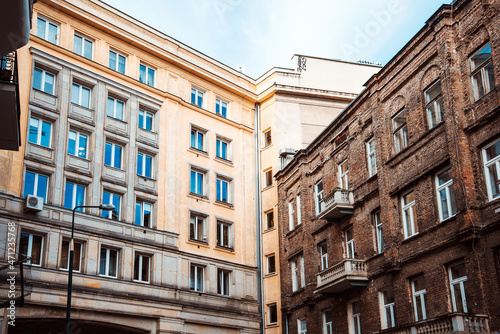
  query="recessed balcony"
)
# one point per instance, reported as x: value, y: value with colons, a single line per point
x: 453, y: 323
x: 9, y: 103
x: 337, y: 204
x: 342, y: 276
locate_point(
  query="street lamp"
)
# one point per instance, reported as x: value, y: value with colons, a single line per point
x: 106, y: 207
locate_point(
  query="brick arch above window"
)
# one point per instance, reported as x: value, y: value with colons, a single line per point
x: 397, y: 105
x: 477, y: 40
x: 430, y: 75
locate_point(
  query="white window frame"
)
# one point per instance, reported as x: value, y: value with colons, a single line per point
x: 35, y: 186
x: 118, y: 55
x: 107, y: 263
x: 434, y: 106
x: 461, y: 282
x: 415, y: 296
x: 267, y: 134
x: 323, y: 250
x: 109, y: 214
x: 371, y: 155
x: 224, y: 228
x: 145, y: 114
x: 295, y: 274
x: 197, y: 93
x: 447, y: 187
x: 194, y: 220
x: 268, y: 259
x: 481, y: 71
x: 39, y: 131
x: 354, y: 318
x: 113, y: 149
x: 78, y: 136
x: 218, y: 148
x: 142, y: 208
x: 298, y: 212
x: 494, y: 164
x: 299, y: 326
x: 144, y: 158
x: 268, y: 221
x: 80, y: 89
x: 379, y: 232
x: 29, y: 251
x: 387, y: 310
x: 203, y: 174
x: 343, y: 176
x: 73, y: 195
x: 291, y: 216
x: 64, y: 265
x: 268, y: 176
x: 400, y: 131
x: 139, y: 261
x: 43, y: 80
x: 199, y: 273
x: 349, y: 244
x: 197, y: 132
x: 147, y: 69
x: 269, y: 320
x: 318, y: 196
x: 46, y: 29
x: 327, y: 325
x: 221, y: 102
x: 84, y: 38
x: 408, y: 207
x: 219, y: 183
x: 113, y: 112
x: 223, y: 282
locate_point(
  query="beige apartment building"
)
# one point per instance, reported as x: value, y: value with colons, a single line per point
x: 185, y: 148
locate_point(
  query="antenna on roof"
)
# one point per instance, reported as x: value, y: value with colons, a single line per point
x: 368, y: 62
x: 240, y: 68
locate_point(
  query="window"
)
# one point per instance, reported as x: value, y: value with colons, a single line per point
x: 323, y: 251
x: 74, y: 196
x: 458, y: 278
x: 372, y: 157
x: 77, y: 144
x: 409, y: 214
x: 115, y: 108
x: 108, y: 265
x: 491, y: 158
x: 223, y: 235
x: 272, y: 314
x: 318, y: 194
x: 141, y: 268
x: 143, y: 214
x: 328, y: 322
x: 388, y: 319
x: 40, y: 132
x: 299, y: 210
x: 418, y: 292
x: 291, y: 215
x: 113, y: 155
x: 267, y: 138
x: 355, y: 314
x: 117, y: 61
x: 343, y: 173
x: 31, y: 245
x: 196, y: 278
x: 223, y: 282
x: 483, y: 80
x: 221, y: 107
x: 349, y: 242
x: 197, y: 182
x: 36, y: 184
x: 197, y: 97
x: 47, y: 30
x: 446, y: 195
x: 268, y: 174
x: 146, y: 120
x: 147, y: 75
x: 83, y: 46
x: 379, y: 232
x: 302, y: 326
x: 222, y: 191
x: 197, y: 228
x: 110, y: 198
x: 298, y: 273
x: 271, y: 264
x: 197, y: 139
x: 44, y: 81
x: 269, y: 220
x: 434, y: 103
x: 221, y: 149
x: 77, y: 256
x: 144, y: 165
x: 400, y: 131
x: 80, y: 95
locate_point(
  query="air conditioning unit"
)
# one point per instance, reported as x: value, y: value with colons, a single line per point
x: 33, y: 203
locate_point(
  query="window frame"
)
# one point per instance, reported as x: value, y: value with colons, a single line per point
x: 145, y: 114
x: 379, y: 231
x: 77, y: 147
x: 29, y: 248
x: 291, y: 216
x: 39, y: 131
x: 224, y: 228
x: 401, y: 129
x: 495, y: 163
x: 107, y: 261
x: 412, y: 209
x: 198, y: 93
x: 221, y: 143
x: 141, y: 213
x: 82, y: 46
x: 416, y: 295
x: 194, y: 221
x: 219, y: 102
x: 195, y: 135
x: 481, y: 69
x: 450, y: 195
x: 434, y: 106
x: 300, y: 329
x: 388, y: 310
x: 355, y: 318
x: 43, y: 80
x: 144, y: 170
x: 267, y: 138
x: 461, y: 282
x: 77, y: 255
x: 323, y: 252
x: 74, y: 195
x: 147, y: 69
x: 113, y: 113
x: 327, y: 325
x: 268, y: 225
x: 270, y: 319
x: 118, y: 54
x: 298, y: 211
x: 198, y: 183
x: 114, y: 146
x: 343, y: 176
x: 138, y: 267
x: 35, y: 185
x: 318, y: 196
x: 349, y: 243
x: 371, y: 155
x: 268, y: 260
x: 220, y: 181
x: 47, y: 24
x: 223, y: 282
x: 199, y: 277
x: 268, y: 176
x: 80, y: 88
x: 109, y: 214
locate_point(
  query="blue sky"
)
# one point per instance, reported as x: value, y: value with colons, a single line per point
x: 261, y: 34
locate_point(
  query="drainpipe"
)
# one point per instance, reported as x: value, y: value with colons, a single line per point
x: 258, y: 223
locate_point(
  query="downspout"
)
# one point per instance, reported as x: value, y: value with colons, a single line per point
x: 258, y: 223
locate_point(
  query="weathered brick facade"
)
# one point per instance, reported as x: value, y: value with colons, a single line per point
x: 442, y: 51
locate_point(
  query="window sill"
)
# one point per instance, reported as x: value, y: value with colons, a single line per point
x: 225, y: 249
x: 224, y: 204
x: 41, y: 146
x: 115, y: 168
x: 224, y: 161
x: 198, y: 196
x: 83, y: 107
x: 273, y: 325
x: 198, y: 243
x: 146, y: 178
x: 80, y: 158
x: 266, y: 147
x: 221, y: 116
x: 43, y: 92
x: 267, y: 187
x: 269, y: 230
x: 117, y: 119
x: 271, y: 275
x: 198, y: 151
x: 411, y: 237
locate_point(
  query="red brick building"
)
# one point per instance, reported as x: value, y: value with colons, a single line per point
x: 391, y: 217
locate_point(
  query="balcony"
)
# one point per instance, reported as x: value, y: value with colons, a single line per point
x: 9, y: 103
x: 337, y: 204
x: 454, y: 323
x: 342, y: 276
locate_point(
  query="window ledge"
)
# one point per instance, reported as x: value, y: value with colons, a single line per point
x: 267, y: 187
x: 198, y: 196
x: 269, y: 229
x: 273, y: 325
x: 411, y: 237
x: 271, y: 275
x: 115, y: 168
x: 198, y: 243
x: 224, y: 161
x: 41, y: 146
x: 43, y: 92
x: 224, y: 204
x: 198, y: 151
x: 266, y: 147
x: 225, y: 249
x: 146, y: 177
x: 117, y: 119
x: 80, y: 158
x: 83, y: 107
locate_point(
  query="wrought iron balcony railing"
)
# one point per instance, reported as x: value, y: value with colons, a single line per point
x: 337, y: 204
x: 342, y: 276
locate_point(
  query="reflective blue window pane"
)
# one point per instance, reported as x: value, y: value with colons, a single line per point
x: 80, y: 197
x: 151, y: 77
x: 52, y: 33
x: 142, y: 73
x: 149, y: 121
x: 217, y: 149
x: 75, y: 94
x: 199, y: 181
x: 200, y: 100
x: 37, y: 79
x: 116, y: 211
x: 193, y: 182
x: 121, y: 64
x: 193, y: 96
x: 139, y: 163
x: 141, y: 119
x: 45, y: 138
x: 110, y: 110
x: 29, y: 184
x: 147, y: 215
x: 200, y: 141
x: 105, y: 200
x: 193, y: 138
x: 224, y: 191
x: 148, y: 166
x: 42, y: 187
x: 102, y: 261
x: 107, y: 154
x: 119, y: 110
x: 87, y: 49
x: 68, y: 196
x: 40, y: 28
x: 72, y: 143
x: 85, y: 101
x: 138, y: 210
x: 118, y: 157
x: 82, y: 146
x: 33, y: 131
x: 77, y: 45
x: 218, y: 195
x: 112, y: 60
x: 224, y: 150
x: 49, y: 83
x: 224, y: 109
